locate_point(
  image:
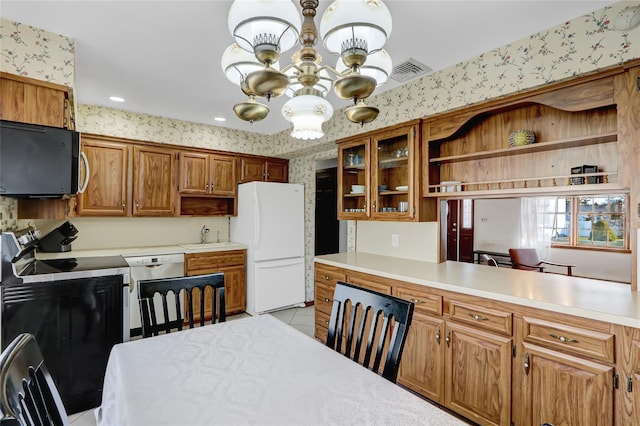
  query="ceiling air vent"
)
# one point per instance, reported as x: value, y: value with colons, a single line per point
x: 409, y: 70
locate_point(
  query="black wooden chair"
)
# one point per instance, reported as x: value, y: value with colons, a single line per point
x: 147, y: 289
x: 381, y: 319
x: 28, y: 395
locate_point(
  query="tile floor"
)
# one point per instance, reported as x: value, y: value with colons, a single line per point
x: 298, y: 318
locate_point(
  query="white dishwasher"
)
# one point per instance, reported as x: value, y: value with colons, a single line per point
x: 147, y: 268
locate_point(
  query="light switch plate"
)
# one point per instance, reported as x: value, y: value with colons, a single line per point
x: 395, y: 240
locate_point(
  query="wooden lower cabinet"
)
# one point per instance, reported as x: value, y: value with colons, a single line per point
x: 561, y: 389
x: 478, y: 374
x: 422, y: 365
x: 497, y: 363
x: 233, y: 264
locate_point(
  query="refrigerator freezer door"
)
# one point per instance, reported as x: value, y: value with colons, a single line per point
x: 280, y: 283
x: 278, y: 221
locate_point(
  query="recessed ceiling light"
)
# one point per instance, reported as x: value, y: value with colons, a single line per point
x: 219, y: 119
x: 116, y: 99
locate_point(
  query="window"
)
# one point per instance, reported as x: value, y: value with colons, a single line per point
x: 597, y: 221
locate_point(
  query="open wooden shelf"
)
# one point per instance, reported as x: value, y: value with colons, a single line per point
x: 526, y: 149
x: 531, y: 186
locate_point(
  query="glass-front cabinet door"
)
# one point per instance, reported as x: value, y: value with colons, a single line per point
x: 354, y: 179
x: 392, y: 183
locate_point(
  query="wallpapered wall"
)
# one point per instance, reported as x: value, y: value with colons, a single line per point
x: 576, y: 47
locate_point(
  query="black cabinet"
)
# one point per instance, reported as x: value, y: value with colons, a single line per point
x: 76, y: 323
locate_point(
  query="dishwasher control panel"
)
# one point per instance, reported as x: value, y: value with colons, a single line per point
x: 161, y: 259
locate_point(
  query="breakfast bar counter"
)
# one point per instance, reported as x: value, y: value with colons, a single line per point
x: 588, y: 298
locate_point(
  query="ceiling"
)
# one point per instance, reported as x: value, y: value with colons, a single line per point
x: 163, y: 57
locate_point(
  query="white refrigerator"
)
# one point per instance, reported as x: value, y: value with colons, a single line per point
x: 270, y: 223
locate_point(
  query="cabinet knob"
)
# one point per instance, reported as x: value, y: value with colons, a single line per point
x: 137, y: 205
x: 123, y: 206
x: 327, y: 300
x: 526, y: 364
x: 327, y: 277
x: 448, y: 338
x: 438, y: 335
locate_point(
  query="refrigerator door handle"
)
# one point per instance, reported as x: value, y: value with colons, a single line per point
x: 279, y: 263
x: 256, y: 221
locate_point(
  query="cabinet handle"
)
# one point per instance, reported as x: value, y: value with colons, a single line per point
x: 137, y: 205
x: 417, y: 301
x: 629, y: 384
x: 123, y: 206
x: 438, y: 335
x: 327, y: 300
x: 448, y: 338
x: 546, y: 424
x: 526, y: 364
x: 327, y: 277
x: 478, y: 317
x: 563, y: 339
x: 326, y: 322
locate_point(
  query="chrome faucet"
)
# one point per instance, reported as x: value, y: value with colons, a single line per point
x: 203, y: 234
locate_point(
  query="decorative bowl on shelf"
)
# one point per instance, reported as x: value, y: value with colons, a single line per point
x: 521, y: 138
x: 383, y: 187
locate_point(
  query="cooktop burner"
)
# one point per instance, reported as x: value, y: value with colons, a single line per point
x: 54, y: 266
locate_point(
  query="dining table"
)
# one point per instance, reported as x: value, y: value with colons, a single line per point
x: 251, y: 371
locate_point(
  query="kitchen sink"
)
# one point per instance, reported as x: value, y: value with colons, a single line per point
x: 210, y: 246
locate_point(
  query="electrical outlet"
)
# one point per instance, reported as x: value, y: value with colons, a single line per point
x: 395, y: 240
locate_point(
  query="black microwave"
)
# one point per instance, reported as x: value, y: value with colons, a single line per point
x: 38, y: 161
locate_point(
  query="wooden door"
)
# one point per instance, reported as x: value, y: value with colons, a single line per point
x: 277, y: 171
x: 252, y: 169
x: 478, y: 374
x: 460, y: 230
x: 465, y: 243
x: 107, y: 188
x: 193, y: 173
x: 422, y: 365
x: 566, y: 390
x: 235, y: 288
x: 153, y: 181
x: 452, y: 229
x: 223, y: 175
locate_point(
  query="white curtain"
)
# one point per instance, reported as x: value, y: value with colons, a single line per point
x: 537, y: 223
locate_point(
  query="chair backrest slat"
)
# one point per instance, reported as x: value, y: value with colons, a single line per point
x: 385, y: 319
x: 27, y: 390
x: 147, y: 289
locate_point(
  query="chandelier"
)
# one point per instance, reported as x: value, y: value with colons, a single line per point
x: 263, y: 29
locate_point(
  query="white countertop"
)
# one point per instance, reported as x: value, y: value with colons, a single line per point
x: 145, y: 251
x: 599, y: 300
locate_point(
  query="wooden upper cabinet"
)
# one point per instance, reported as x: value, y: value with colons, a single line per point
x: 34, y: 101
x: 385, y: 167
x: 106, y: 192
x: 153, y: 181
x: 260, y: 169
x: 223, y: 179
x: 277, y: 171
x: 207, y: 174
x: 252, y: 169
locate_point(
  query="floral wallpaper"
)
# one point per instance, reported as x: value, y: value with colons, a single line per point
x: 125, y: 124
x: 36, y: 53
x: 582, y: 45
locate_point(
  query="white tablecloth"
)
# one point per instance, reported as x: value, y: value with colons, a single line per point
x: 256, y: 371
